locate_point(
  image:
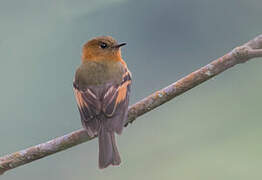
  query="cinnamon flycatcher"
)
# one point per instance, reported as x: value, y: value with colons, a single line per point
x: 102, y: 87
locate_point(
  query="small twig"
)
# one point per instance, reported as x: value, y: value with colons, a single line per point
x: 251, y: 49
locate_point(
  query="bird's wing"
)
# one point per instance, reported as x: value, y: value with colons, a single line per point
x: 107, y: 103
x: 89, y: 107
x: 115, y: 104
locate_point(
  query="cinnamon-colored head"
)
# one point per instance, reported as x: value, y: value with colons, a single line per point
x: 102, y: 48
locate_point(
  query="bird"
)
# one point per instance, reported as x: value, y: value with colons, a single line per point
x: 102, y: 86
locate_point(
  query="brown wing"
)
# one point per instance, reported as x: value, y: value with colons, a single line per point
x: 115, y: 104
x: 107, y: 103
x: 89, y: 107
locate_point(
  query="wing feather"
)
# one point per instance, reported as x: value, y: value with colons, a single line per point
x: 108, y: 102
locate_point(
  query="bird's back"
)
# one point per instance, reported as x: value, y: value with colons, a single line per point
x: 96, y: 73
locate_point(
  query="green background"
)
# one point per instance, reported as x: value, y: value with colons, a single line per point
x: 211, y: 132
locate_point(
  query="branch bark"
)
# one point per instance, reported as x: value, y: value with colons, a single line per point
x: 251, y: 49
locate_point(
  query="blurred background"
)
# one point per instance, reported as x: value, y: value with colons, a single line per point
x: 211, y: 132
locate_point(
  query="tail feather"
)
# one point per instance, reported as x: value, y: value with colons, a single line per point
x: 108, y: 153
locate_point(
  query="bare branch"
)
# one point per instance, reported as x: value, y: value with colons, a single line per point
x: 241, y: 54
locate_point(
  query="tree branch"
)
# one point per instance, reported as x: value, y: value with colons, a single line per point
x: 241, y: 54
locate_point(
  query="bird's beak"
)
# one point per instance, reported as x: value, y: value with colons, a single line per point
x: 119, y: 45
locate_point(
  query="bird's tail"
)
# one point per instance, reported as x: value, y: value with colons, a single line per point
x: 108, y: 153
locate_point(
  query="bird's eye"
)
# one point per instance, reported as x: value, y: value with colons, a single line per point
x: 103, y: 45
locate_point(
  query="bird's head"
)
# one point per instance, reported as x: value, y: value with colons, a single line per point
x: 102, y: 48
